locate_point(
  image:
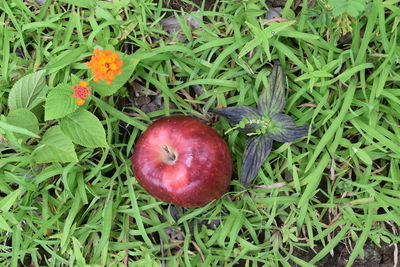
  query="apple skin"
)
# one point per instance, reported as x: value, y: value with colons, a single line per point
x: 183, y: 161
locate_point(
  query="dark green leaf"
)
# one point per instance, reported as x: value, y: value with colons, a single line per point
x: 272, y: 99
x: 236, y: 115
x: 283, y: 129
x: 256, y: 151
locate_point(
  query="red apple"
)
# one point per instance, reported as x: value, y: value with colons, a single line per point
x: 181, y: 160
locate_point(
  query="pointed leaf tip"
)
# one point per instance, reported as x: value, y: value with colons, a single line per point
x: 283, y: 128
x: 272, y: 99
x: 256, y: 151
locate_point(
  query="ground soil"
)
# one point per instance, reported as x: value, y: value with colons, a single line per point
x: 374, y: 256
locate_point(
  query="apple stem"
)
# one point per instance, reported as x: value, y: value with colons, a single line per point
x: 171, y: 155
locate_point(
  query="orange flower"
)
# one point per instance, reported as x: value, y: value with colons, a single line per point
x: 81, y: 92
x: 105, y: 64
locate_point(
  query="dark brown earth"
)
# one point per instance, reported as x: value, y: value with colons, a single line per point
x: 374, y: 256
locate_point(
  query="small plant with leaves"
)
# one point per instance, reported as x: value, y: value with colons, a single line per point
x: 344, y: 10
x: 263, y: 124
x: 67, y: 120
x: 352, y: 7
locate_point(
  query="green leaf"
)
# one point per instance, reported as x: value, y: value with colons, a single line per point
x: 4, y: 225
x: 16, y: 129
x: 84, y: 128
x: 236, y: 115
x: 353, y: 7
x: 283, y: 129
x: 363, y: 155
x: 249, y: 46
x: 25, y: 91
x: 272, y: 99
x: 80, y: 259
x: 104, y: 89
x: 256, y: 151
x: 23, y: 118
x: 73, y: 211
x: 81, y: 3
x: 68, y: 57
x: 59, y: 103
x: 55, y: 147
x: 106, y: 229
x: 7, y: 202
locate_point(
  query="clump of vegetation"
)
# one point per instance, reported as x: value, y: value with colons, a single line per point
x: 265, y: 123
x: 68, y: 196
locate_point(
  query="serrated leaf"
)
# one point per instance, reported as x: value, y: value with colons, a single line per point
x: 23, y: 118
x: 339, y: 10
x: 25, y: 91
x: 272, y: 99
x: 84, y: 129
x: 59, y: 103
x: 55, y: 146
x: 235, y: 116
x: 352, y: 7
x: 104, y: 89
x: 352, y: 11
x: 283, y: 129
x: 256, y: 151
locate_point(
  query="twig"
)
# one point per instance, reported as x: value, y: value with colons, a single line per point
x: 203, y: 259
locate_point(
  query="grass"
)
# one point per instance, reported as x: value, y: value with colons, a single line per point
x: 338, y: 185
